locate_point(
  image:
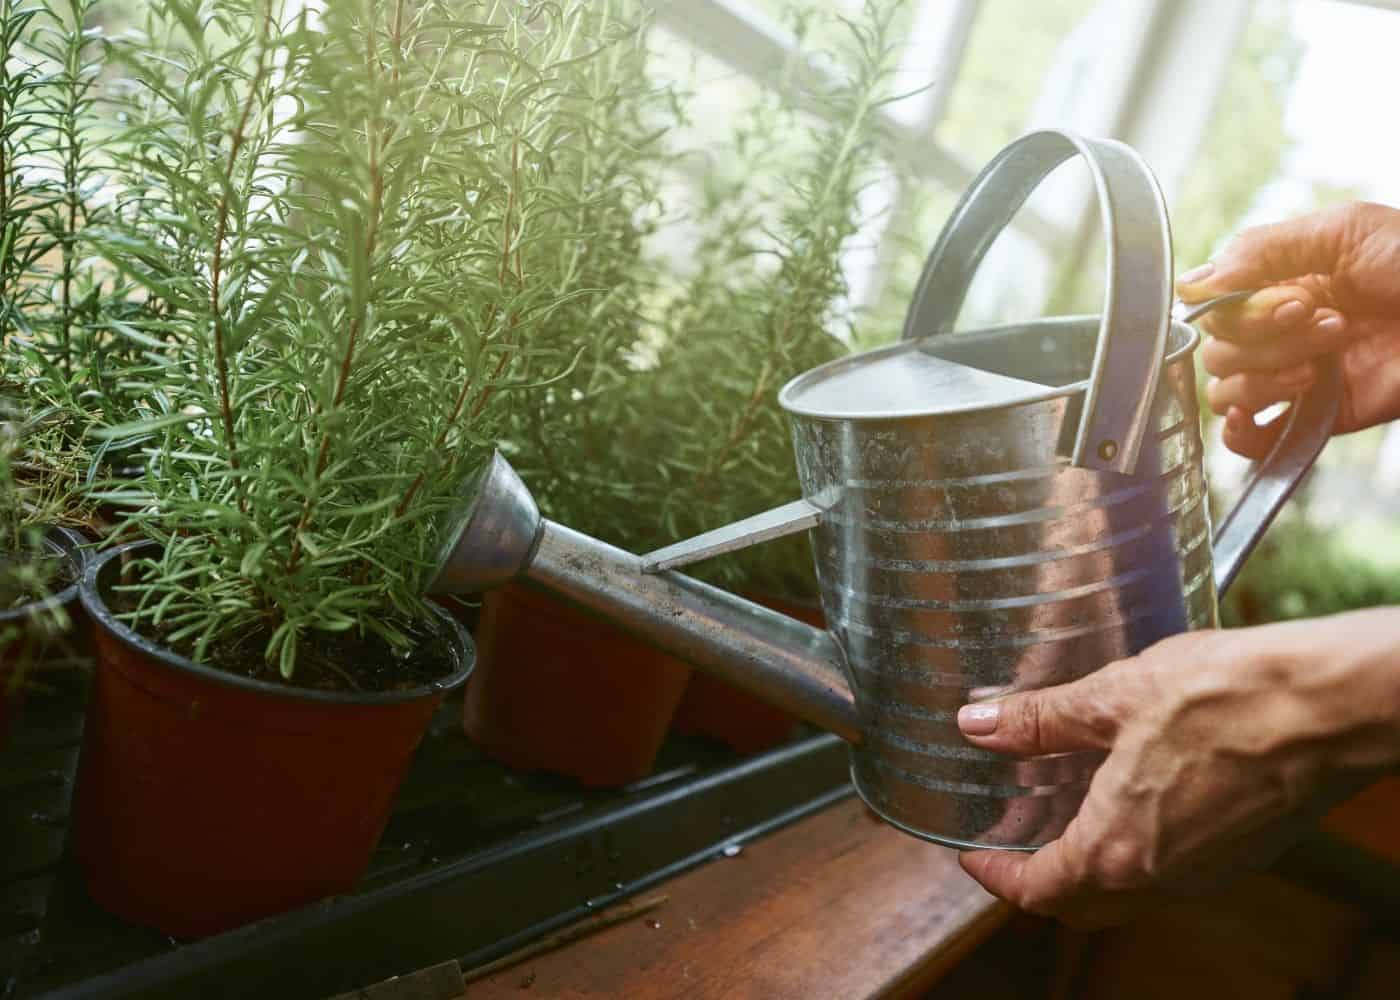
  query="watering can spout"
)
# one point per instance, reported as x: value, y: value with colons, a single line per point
x: 503, y: 538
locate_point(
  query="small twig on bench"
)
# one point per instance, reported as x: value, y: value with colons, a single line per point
x: 577, y: 932
x: 441, y: 982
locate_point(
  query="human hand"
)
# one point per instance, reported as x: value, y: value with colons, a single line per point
x: 1222, y: 747
x: 1333, y: 282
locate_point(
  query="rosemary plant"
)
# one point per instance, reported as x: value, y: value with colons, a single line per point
x: 691, y: 437
x: 568, y: 438
x: 50, y: 299
x: 71, y: 296
x: 27, y: 199
x: 34, y: 493
x: 354, y: 237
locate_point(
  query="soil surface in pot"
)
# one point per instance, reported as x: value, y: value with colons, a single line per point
x: 26, y: 578
x: 343, y: 662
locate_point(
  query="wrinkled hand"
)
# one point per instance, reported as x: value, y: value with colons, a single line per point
x: 1333, y: 287
x: 1222, y: 747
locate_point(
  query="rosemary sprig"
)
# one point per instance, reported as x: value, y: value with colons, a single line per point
x: 687, y: 436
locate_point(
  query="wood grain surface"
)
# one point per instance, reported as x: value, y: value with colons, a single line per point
x: 839, y: 905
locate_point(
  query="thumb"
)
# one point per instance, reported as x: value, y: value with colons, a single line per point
x: 1312, y: 244
x: 1075, y: 716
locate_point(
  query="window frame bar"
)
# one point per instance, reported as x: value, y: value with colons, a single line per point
x: 753, y: 45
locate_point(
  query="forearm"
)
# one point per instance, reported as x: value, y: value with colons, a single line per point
x: 1342, y: 680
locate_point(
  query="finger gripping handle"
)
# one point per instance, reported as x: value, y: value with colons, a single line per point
x: 1137, y: 298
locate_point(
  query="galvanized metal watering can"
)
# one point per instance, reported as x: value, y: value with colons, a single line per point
x: 995, y: 511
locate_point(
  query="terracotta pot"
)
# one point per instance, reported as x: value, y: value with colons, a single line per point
x: 720, y: 711
x: 207, y: 800
x: 562, y: 691
x: 22, y: 626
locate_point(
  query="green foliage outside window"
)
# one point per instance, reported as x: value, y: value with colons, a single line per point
x: 1303, y: 571
x: 1300, y: 570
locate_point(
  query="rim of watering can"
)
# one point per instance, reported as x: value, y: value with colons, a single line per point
x: 1182, y: 340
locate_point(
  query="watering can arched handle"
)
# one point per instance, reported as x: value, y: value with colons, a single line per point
x: 1137, y: 299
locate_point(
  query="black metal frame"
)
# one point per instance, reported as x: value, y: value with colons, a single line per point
x: 487, y: 903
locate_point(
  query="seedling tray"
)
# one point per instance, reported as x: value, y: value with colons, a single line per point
x: 477, y: 861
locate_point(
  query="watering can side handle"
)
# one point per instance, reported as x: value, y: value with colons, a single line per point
x: 1310, y: 423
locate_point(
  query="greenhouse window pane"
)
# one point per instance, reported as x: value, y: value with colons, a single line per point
x: 818, y: 20
x: 1011, y: 53
x: 1294, y: 130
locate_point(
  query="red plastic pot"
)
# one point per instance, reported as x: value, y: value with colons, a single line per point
x: 720, y: 711
x: 559, y: 690
x: 9, y: 705
x: 206, y: 800
x: 23, y: 624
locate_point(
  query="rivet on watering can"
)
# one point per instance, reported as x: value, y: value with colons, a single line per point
x: 1108, y: 451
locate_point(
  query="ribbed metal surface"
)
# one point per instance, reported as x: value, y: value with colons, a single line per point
x: 964, y: 557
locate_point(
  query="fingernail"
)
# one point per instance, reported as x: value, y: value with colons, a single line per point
x: 1290, y: 312
x: 1331, y: 323
x: 1197, y: 274
x: 978, y: 720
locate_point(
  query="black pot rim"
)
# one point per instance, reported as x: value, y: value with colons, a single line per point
x: 73, y: 547
x: 102, y: 617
